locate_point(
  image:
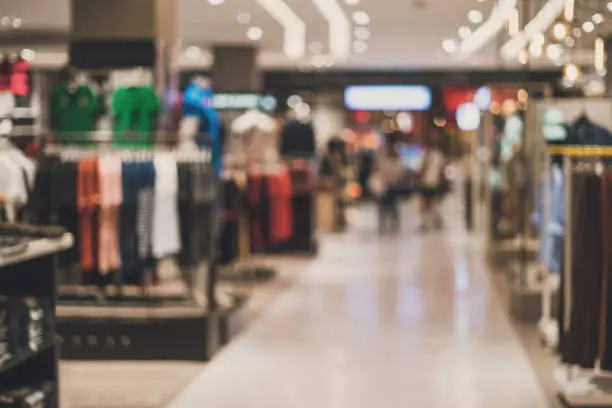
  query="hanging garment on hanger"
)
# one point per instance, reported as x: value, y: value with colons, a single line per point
x: 254, y: 137
x: 88, y: 192
x: 74, y: 108
x: 297, y: 139
x: 166, y: 227
x: 584, y: 132
x: 111, y: 195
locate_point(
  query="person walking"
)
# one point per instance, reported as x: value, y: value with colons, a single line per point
x: 432, y: 188
x: 387, y: 172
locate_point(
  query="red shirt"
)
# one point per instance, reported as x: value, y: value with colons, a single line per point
x: 19, y: 78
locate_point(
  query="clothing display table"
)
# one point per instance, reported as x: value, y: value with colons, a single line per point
x: 28, y: 348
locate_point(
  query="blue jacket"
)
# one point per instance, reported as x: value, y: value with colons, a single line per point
x: 197, y: 102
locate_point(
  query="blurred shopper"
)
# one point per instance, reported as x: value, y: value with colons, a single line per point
x: 433, y: 184
x: 334, y: 173
x: 388, y: 170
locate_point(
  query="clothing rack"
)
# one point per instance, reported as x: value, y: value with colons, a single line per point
x: 114, y: 321
x: 581, y: 387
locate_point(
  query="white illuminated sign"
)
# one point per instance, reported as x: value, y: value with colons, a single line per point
x: 387, y: 97
x: 223, y: 101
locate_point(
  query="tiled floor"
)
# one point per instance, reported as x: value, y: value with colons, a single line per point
x: 408, y: 321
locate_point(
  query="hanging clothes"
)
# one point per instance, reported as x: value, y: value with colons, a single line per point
x: 111, y: 196
x: 74, y: 108
x: 166, y: 227
x: 297, y: 139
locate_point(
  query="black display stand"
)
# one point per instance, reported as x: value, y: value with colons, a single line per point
x: 32, y: 274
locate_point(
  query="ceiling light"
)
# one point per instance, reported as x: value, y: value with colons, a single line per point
x: 599, y: 55
x: 542, y: 21
x: 339, y: 27
x: 569, y: 41
x: 571, y: 71
x: 523, y: 57
x: 318, y: 61
x: 449, y: 46
x: 362, y: 33
x: 464, y: 32
x: 351, y: 2
x: 360, y: 46
x: 16, y: 22
x: 597, y: 18
x: 294, y: 28
x: 514, y: 23
x: 535, y: 50
x: 609, y: 6
x: 330, y: 61
x: 553, y: 51
x: 294, y: 101
x: 538, y: 39
x: 315, y: 47
x: 254, y: 33
x: 193, y: 52
x: 489, y: 29
x: 5, y: 21
x: 361, y: 18
x: 27, y: 54
x: 216, y: 2
x: 559, y: 31
x: 569, y: 10
x: 588, y: 27
x: 244, y: 18
x: 576, y: 32
x: 475, y: 17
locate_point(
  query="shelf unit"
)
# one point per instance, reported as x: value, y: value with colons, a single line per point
x: 31, y: 275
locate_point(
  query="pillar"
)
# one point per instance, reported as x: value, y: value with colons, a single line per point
x: 235, y: 70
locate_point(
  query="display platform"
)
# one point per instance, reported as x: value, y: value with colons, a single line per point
x: 160, y: 332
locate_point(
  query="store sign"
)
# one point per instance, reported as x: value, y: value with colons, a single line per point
x: 227, y: 101
x: 387, y: 97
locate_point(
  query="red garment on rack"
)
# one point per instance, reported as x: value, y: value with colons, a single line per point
x: 19, y: 78
x: 281, y: 217
x: 87, y: 204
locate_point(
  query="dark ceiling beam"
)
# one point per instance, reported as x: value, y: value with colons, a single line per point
x: 20, y: 37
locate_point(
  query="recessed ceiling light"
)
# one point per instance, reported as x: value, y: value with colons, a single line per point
x: 609, y: 6
x: 254, y: 33
x: 576, y: 32
x: 16, y: 22
x: 588, y: 27
x: 464, y: 32
x: 559, y: 31
x: 523, y: 57
x: 475, y: 16
x: 362, y: 33
x: 449, y: 45
x: 569, y: 41
x: 216, y: 2
x: 597, y: 18
x: 539, y: 39
x: 351, y: 2
x: 318, y: 61
x: 294, y: 100
x: 553, y: 51
x: 5, y: 21
x: 193, y: 52
x: 27, y: 54
x: 361, y: 18
x: 244, y: 18
x: 315, y: 47
x: 360, y: 46
x: 535, y: 49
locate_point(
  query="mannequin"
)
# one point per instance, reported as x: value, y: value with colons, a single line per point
x: 253, y: 137
x: 74, y: 107
x: 197, y: 110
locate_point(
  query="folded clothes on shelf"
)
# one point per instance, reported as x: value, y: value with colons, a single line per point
x: 11, y: 245
x: 39, y: 396
x: 31, y: 230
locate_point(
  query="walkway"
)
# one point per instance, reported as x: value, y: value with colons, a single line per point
x: 378, y: 322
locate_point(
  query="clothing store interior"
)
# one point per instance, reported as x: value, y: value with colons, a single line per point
x: 314, y: 203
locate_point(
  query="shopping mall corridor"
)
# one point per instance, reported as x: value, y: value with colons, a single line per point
x: 393, y: 322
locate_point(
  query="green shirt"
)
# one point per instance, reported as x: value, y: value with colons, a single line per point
x: 135, y: 110
x: 74, y: 109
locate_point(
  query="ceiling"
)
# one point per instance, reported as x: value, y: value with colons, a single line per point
x: 403, y: 33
